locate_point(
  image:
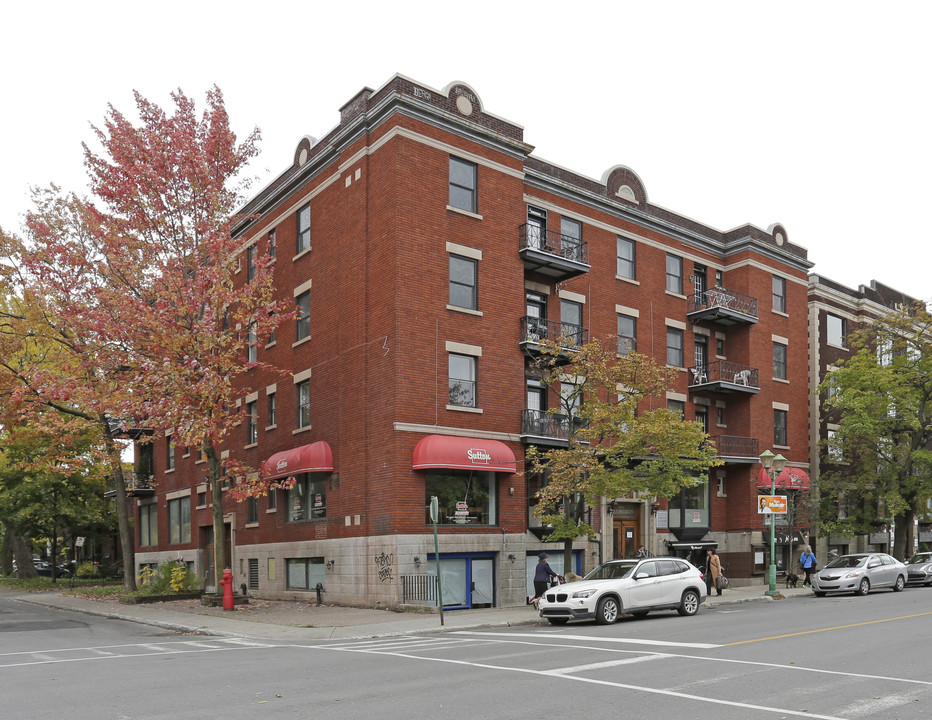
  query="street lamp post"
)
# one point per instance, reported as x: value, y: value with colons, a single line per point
x: 774, y: 465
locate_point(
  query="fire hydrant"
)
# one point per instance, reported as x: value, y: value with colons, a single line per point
x: 227, y: 583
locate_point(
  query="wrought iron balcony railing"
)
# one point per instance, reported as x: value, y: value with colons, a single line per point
x: 723, y: 372
x: 533, y: 237
x: 540, y: 423
x: 566, y: 335
x: 723, y: 306
x: 736, y: 446
x: 725, y: 298
x: 136, y: 484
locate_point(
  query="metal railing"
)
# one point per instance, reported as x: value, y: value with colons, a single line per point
x: 419, y: 588
x: 534, y: 237
x: 566, y: 335
x: 725, y: 298
x: 132, y: 482
x: 736, y: 445
x: 545, y: 424
x: 724, y: 371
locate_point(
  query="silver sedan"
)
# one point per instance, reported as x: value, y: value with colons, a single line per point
x: 860, y: 573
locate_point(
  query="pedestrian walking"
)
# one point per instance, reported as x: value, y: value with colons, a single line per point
x: 713, y: 571
x: 807, y: 563
x: 542, y: 576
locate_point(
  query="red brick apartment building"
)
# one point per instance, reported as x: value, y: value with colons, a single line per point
x: 836, y: 313
x: 429, y: 250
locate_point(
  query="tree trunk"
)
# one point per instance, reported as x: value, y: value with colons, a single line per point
x: 216, y: 496
x: 903, y: 535
x: 6, y: 550
x: 122, y: 506
x: 22, y: 553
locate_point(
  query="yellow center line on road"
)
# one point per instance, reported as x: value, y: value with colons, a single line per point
x: 838, y: 627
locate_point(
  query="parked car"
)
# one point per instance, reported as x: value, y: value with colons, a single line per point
x: 860, y: 573
x: 626, y: 587
x: 44, y: 569
x: 919, y: 569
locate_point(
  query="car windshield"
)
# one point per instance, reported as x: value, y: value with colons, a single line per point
x: 847, y: 561
x: 920, y: 558
x: 611, y: 571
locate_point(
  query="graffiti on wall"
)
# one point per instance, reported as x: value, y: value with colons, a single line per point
x: 385, y: 564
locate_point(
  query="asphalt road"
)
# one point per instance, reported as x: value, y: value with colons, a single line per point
x: 833, y: 657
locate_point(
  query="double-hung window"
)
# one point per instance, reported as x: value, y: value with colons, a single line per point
x: 462, y: 378
x: 779, y: 294
x: 270, y: 401
x: 571, y: 238
x: 252, y: 342
x: 179, y: 520
x: 835, y: 330
x: 250, y: 262
x: 463, y: 282
x: 303, y: 390
x: 779, y: 361
x: 675, y: 347
x: 779, y: 427
x: 674, y: 274
x: 148, y: 525
x: 273, y: 242
x: 169, y: 453
x: 252, y: 422
x: 303, y: 317
x: 463, y: 185
x: 626, y: 259
x: 627, y: 334
x: 304, y: 229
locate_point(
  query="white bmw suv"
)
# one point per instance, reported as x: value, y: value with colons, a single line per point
x: 626, y: 587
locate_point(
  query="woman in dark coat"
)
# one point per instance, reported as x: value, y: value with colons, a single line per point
x: 542, y: 575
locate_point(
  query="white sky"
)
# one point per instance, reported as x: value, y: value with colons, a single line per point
x: 812, y: 114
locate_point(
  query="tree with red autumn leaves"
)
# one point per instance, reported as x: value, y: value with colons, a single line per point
x: 149, y: 274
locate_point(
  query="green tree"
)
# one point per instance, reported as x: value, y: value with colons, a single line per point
x: 621, y: 438
x: 51, y: 487
x: 878, y: 466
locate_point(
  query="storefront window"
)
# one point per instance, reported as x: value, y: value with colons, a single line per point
x: 691, y: 507
x: 466, y: 497
x: 305, y: 573
x: 307, y: 499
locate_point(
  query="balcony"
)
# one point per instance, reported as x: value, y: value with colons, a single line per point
x: 724, y: 377
x: 127, y: 429
x: 539, y: 427
x: 723, y: 306
x: 534, y: 330
x: 736, y: 449
x: 137, y: 485
x: 548, y: 253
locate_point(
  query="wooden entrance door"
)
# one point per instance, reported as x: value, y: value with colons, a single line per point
x: 626, y: 532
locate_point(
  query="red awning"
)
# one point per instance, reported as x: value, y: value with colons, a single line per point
x: 463, y: 453
x: 315, y: 457
x: 792, y: 478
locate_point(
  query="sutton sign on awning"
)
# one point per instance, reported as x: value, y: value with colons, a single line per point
x: 315, y: 457
x: 790, y: 479
x: 463, y: 453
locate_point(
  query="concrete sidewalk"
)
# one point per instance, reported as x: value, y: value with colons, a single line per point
x: 297, y: 622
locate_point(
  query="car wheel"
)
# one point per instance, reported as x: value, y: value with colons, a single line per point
x: 900, y: 583
x: 607, y: 612
x: 864, y: 587
x: 819, y: 593
x: 640, y: 613
x: 558, y: 621
x: 689, y: 605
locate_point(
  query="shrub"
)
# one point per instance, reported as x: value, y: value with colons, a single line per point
x: 86, y: 569
x: 167, y: 579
